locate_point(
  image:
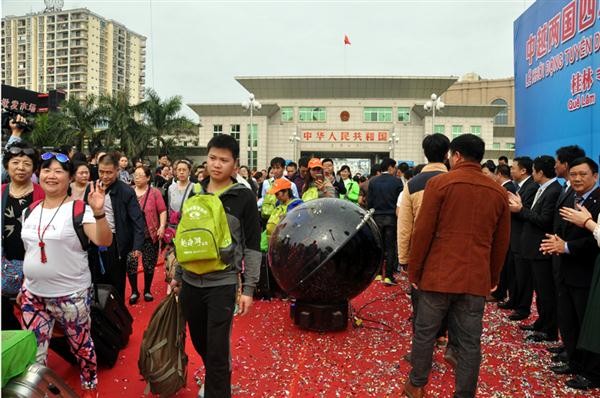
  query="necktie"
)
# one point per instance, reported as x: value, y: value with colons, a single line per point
x: 578, y: 200
x: 537, y: 196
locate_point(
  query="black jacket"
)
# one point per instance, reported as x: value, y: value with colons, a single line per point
x: 383, y: 194
x: 576, y: 268
x: 129, y: 219
x: 527, y: 193
x: 510, y: 186
x: 538, y: 222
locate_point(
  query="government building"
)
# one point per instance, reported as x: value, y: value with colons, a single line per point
x: 76, y: 51
x: 358, y: 120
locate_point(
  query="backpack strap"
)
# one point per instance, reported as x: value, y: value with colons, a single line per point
x: 30, y: 208
x: 5, y: 191
x: 78, y: 212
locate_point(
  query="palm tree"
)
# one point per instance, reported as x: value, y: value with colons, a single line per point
x: 163, y: 119
x: 82, y: 116
x: 52, y: 130
x: 122, y: 124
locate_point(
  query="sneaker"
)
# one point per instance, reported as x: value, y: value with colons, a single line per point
x: 148, y: 297
x: 201, y: 391
x: 134, y: 298
x: 378, y: 278
x: 90, y: 393
x: 388, y: 282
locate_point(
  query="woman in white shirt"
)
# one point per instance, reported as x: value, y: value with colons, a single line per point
x: 57, y: 285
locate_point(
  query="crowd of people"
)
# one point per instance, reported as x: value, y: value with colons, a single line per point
x: 69, y: 221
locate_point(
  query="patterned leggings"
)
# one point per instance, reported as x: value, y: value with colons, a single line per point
x: 149, y: 258
x: 73, y: 314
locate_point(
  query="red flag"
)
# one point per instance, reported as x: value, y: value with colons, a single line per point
x: 346, y: 40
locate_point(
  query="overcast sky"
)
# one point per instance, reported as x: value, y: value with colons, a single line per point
x: 195, y: 48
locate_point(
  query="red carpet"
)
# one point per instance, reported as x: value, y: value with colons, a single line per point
x: 273, y: 358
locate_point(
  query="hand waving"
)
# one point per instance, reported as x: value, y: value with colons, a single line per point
x: 96, y: 197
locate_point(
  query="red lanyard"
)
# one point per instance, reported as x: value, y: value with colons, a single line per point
x: 41, y: 243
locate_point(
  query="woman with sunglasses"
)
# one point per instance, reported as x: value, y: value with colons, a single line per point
x: 155, y: 213
x: 316, y: 185
x: 20, y: 160
x: 57, y: 286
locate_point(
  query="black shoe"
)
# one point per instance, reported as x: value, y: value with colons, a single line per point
x: 148, y: 297
x: 538, y: 337
x: 506, y: 305
x: 517, y: 316
x: 134, y: 298
x: 560, y: 357
x: 556, y: 349
x: 563, y: 369
x: 581, y: 383
x: 527, y: 328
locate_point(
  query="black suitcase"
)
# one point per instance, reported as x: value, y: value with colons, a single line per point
x: 266, y: 286
x: 111, y: 328
x: 38, y: 382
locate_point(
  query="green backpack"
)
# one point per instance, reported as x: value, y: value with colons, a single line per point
x: 268, y: 204
x: 203, y: 241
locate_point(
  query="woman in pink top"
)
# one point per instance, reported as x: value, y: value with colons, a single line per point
x: 155, y: 213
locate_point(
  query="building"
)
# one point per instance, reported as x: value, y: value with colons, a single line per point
x: 354, y: 120
x: 76, y: 51
x: 471, y: 89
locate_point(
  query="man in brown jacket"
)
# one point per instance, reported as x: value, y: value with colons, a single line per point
x: 457, y: 251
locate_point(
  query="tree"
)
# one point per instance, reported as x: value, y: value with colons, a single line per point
x: 163, y: 120
x: 82, y: 116
x: 51, y: 130
x: 122, y: 124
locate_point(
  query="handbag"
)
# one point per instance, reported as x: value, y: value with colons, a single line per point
x: 12, y: 276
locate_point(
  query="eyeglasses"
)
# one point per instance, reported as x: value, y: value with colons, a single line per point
x: 61, y: 157
x: 15, y: 150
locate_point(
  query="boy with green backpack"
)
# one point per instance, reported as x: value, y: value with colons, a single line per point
x: 219, y: 227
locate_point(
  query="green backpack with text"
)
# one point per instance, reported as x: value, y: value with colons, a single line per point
x: 203, y: 241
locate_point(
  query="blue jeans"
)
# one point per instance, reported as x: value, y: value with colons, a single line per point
x: 464, y: 313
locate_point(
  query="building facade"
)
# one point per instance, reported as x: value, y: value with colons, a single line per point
x: 355, y: 120
x: 76, y: 51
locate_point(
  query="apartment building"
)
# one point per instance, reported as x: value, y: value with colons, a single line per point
x: 75, y: 50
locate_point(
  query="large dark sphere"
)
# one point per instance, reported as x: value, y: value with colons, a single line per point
x: 308, y: 234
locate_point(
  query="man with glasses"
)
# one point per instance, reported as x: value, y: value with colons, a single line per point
x: 577, y: 251
x: 126, y: 222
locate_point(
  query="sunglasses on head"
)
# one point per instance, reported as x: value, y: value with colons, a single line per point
x: 61, y: 157
x: 14, y: 150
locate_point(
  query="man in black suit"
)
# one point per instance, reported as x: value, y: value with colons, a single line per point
x: 577, y: 250
x: 537, y: 223
x: 564, y: 156
x: 521, y: 170
x: 506, y: 286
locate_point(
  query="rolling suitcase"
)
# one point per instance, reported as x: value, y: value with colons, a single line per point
x: 264, y: 288
x: 111, y: 328
x: 38, y: 381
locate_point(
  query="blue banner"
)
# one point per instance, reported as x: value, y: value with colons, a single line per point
x: 557, y: 77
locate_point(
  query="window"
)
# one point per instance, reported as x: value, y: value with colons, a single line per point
x: 502, y: 116
x: 217, y: 129
x: 476, y: 130
x: 252, y: 161
x: 496, y: 145
x: 510, y: 145
x: 312, y: 115
x: 403, y: 114
x: 235, y: 131
x: 287, y: 114
x: 456, y: 130
x: 252, y: 135
x: 377, y: 114
x: 439, y: 129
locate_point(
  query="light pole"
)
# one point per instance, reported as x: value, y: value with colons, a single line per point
x: 393, y: 140
x: 251, y: 105
x: 294, y: 139
x: 435, y: 103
